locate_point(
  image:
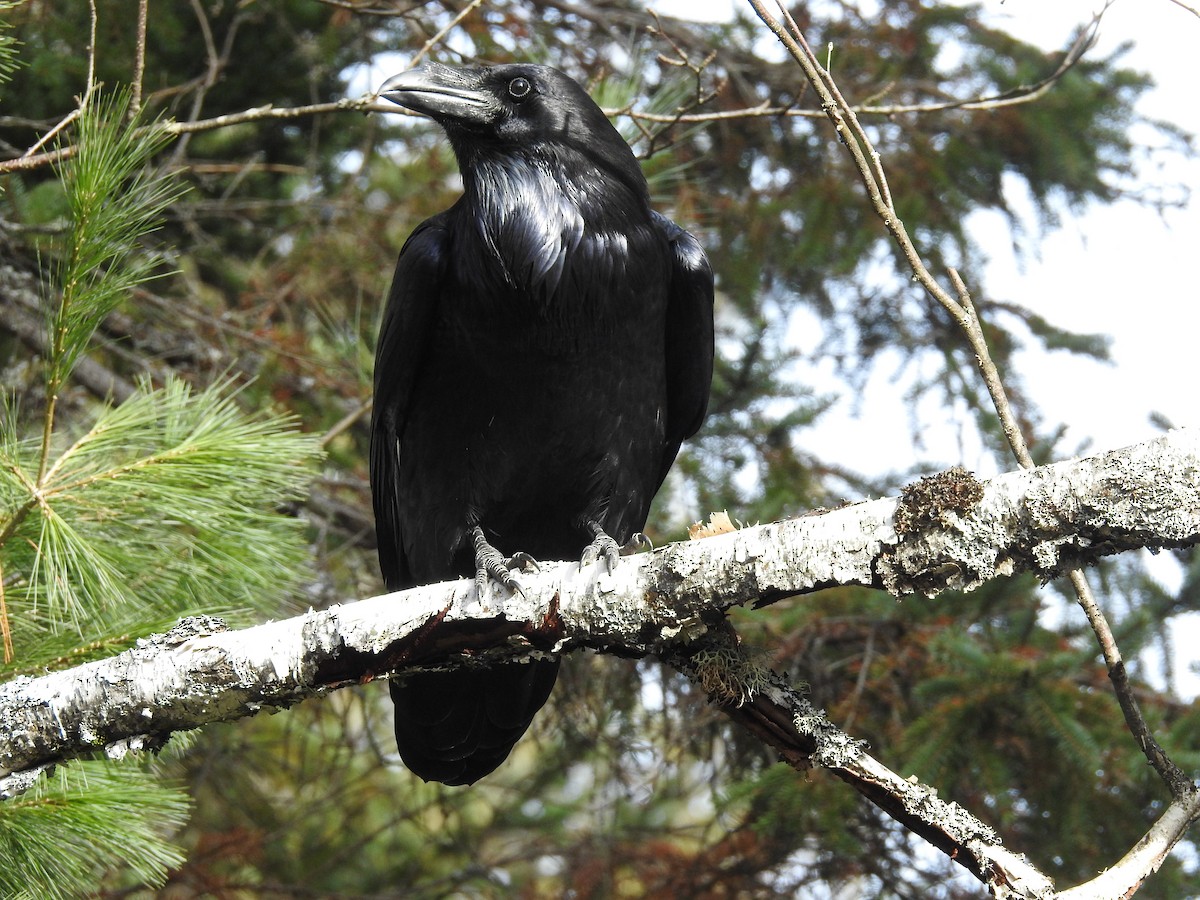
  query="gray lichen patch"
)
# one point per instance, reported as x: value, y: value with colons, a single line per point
x: 732, y: 676
x: 834, y: 747
x: 929, y: 501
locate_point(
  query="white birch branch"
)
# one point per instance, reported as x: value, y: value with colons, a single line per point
x: 945, y: 532
x: 1145, y: 857
x: 956, y: 534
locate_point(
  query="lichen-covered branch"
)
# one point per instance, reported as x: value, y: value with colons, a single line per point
x: 944, y: 532
x: 948, y: 532
x: 803, y: 737
x: 774, y: 712
x: 962, y: 310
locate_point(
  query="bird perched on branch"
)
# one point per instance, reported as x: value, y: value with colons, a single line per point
x: 546, y: 346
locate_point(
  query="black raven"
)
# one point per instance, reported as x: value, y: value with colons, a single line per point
x: 546, y: 346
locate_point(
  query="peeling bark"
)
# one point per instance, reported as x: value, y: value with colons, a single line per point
x: 1041, y: 520
x: 953, y: 533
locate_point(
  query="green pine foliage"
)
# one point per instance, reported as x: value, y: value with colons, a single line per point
x: 60, y: 838
x: 100, y: 261
x: 9, y: 47
x: 167, y: 504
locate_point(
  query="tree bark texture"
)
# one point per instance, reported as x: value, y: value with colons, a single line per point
x: 945, y: 532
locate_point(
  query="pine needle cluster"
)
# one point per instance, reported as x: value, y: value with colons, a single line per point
x: 8, y: 45
x: 166, y: 505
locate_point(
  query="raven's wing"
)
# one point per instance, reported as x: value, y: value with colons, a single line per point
x: 689, y: 349
x: 452, y: 727
x: 403, y: 334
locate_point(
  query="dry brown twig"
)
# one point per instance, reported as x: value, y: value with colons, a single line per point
x: 1185, y: 808
x: 215, y: 62
x: 268, y: 112
x: 440, y: 35
x: 369, y: 9
x: 701, y: 95
x: 1193, y: 10
x: 139, y: 59
x: 36, y: 157
x: 89, y: 89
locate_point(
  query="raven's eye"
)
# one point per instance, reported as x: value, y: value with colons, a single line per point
x: 519, y: 88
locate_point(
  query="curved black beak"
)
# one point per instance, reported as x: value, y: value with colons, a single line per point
x: 441, y: 93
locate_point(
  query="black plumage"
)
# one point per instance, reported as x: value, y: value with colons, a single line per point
x: 546, y: 346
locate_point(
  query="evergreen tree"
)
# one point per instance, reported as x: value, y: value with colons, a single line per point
x: 117, y: 522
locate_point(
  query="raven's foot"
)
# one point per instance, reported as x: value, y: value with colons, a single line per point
x: 638, y: 542
x: 606, y: 546
x: 491, y: 562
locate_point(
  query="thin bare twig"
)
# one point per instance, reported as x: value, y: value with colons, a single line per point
x: 1193, y: 10
x: 139, y: 60
x: 973, y: 328
x: 1176, y: 779
x: 5, y: 627
x: 212, y: 72
x: 89, y: 88
x: 450, y: 26
x: 345, y: 422
x: 365, y: 9
x: 365, y: 103
x: 32, y: 159
x: 681, y: 60
x: 1145, y: 857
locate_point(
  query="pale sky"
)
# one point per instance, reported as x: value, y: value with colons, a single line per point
x: 1121, y: 270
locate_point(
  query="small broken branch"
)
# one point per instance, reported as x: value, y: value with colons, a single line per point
x: 1150, y: 851
x: 804, y: 737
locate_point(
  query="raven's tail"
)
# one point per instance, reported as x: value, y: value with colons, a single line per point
x: 456, y: 727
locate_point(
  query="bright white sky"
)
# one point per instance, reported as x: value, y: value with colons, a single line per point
x: 1120, y: 270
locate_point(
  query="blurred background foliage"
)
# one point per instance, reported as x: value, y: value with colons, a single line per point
x: 274, y: 265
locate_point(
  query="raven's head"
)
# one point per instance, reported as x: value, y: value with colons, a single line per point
x: 511, y: 110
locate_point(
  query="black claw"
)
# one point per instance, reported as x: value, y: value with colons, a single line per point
x: 522, y: 560
x: 638, y: 542
x: 489, y: 562
x: 510, y: 582
x: 604, y: 545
